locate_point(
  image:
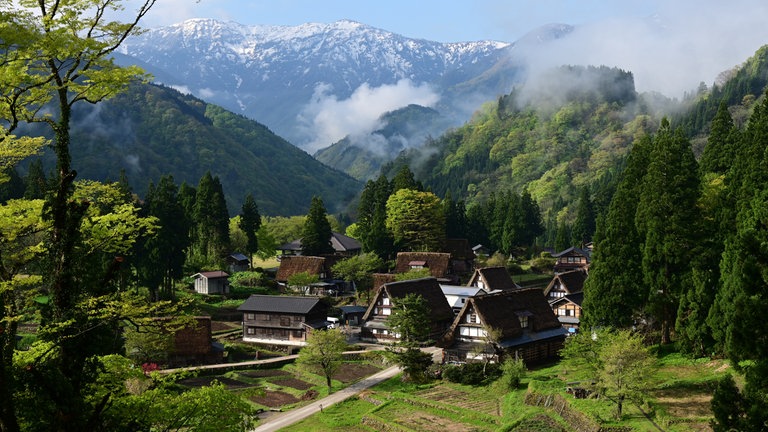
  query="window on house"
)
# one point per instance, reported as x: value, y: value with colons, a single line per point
x: 386, y: 311
x: 267, y: 317
x: 250, y: 316
x: 285, y: 321
x: 250, y: 330
x: 385, y: 301
x: 472, y: 318
x: 298, y: 334
x: 523, y: 321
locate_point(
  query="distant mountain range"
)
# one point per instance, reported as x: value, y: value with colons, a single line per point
x: 293, y: 78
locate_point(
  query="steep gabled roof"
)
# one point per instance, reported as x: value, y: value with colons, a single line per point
x: 291, y: 265
x: 428, y: 288
x: 576, y: 299
x: 436, y: 262
x: 572, y: 281
x: 573, y: 251
x: 279, y: 304
x: 496, y: 278
x: 502, y: 311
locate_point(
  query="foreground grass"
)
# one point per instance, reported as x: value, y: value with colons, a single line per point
x: 678, y: 402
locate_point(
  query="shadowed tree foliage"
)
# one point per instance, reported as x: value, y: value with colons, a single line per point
x: 614, y: 289
x: 250, y: 222
x: 666, y: 219
x: 316, y: 233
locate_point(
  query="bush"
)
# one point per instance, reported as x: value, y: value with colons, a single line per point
x: 512, y: 372
x: 472, y: 373
x: 542, y: 265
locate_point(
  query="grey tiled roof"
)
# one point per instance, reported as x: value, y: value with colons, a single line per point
x: 286, y: 304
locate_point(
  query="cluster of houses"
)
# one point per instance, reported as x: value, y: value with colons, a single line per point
x: 490, y: 312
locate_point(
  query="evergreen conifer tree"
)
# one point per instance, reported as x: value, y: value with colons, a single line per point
x: 666, y: 220
x: 250, y: 222
x: 613, y: 292
x: 316, y: 233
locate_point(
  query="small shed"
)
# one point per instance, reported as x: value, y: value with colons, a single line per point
x: 215, y: 282
x: 238, y: 262
x: 352, y: 315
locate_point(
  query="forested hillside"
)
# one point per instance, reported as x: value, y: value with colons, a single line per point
x: 402, y: 129
x: 150, y: 131
x: 570, y: 130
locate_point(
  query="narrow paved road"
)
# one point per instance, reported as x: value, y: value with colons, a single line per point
x: 275, y: 423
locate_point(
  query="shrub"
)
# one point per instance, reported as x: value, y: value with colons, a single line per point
x: 512, y: 372
x: 542, y: 265
x: 472, y: 373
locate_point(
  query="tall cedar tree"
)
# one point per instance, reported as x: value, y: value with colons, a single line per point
x: 404, y: 179
x: 161, y: 261
x: 719, y: 152
x: 210, y: 232
x: 455, y: 217
x: 250, y: 222
x: 666, y: 220
x: 737, y: 315
x: 584, y: 226
x: 316, y: 233
x: 372, y: 218
x: 693, y: 329
x: 613, y: 292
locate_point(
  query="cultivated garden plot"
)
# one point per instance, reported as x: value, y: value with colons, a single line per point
x: 486, y: 403
x: 282, y: 388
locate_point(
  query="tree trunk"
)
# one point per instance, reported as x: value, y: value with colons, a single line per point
x: 620, y: 404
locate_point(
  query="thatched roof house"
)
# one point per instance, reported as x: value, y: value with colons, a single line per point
x: 375, y: 327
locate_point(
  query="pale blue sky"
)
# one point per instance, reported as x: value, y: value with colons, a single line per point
x: 439, y: 20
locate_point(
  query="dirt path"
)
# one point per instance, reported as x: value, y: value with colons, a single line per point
x: 277, y: 422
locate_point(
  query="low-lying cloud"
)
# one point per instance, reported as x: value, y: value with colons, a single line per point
x: 671, y: 52
x: 327, y: 119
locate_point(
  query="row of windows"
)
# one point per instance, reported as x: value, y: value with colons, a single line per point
x: 285, y: 320
x: 273, y: 333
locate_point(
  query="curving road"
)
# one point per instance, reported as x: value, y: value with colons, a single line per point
x: 275, y: 423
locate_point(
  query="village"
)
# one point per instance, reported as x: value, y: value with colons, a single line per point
x: 464, y: 301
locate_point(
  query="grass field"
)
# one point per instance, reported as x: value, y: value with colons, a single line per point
x: 679, y: 402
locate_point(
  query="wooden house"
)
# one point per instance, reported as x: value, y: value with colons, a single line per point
x: 527, y: 328
x: 562, y: 284
x: 492, y: 279
x: 375, y: 328
x: 568, y: 310
x: 565, y: 295
x: 282, y: 320
x: 215, y: 282
x: 572, y: 258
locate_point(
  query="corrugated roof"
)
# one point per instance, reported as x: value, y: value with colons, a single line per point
x: 211, y: 275
x: 284, y: 304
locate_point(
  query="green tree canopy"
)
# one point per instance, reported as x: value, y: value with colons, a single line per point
x: 416, y: 220
x: 323, y: 352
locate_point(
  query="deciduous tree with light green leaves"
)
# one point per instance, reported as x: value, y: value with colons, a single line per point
x: 323, y: 352
x: 617, y: 363
x: 416, y: 220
